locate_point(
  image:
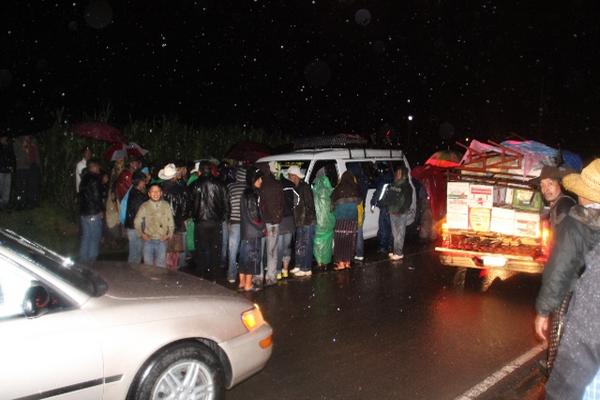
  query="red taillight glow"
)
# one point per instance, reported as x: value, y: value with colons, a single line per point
x: 546, y: 238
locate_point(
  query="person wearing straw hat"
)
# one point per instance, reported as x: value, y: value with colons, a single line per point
x: 577, y: 244
x: 178, y: 198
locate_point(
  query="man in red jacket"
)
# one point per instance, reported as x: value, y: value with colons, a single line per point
x: 123, y: 182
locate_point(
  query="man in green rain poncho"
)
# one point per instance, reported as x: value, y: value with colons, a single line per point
x: 323, y: 242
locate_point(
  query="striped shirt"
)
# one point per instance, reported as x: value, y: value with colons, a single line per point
x: 235, y: 196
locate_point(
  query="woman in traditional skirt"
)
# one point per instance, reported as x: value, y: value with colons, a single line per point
x: 252, y: 231
x: 345, y: 200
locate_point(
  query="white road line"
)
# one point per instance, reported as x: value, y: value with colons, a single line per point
x: 497, y: 376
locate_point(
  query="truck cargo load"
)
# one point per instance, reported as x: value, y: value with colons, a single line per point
x: 494, y: 214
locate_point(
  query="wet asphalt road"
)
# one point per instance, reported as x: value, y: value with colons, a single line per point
x: 393, y: 331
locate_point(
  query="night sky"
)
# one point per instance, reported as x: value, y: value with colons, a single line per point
x: 311, y: 66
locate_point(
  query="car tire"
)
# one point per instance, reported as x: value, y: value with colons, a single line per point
x: 167, y: 371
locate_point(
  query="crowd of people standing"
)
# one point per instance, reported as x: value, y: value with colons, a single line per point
x: 259, y: 224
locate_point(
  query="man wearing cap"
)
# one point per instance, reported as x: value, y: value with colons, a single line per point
x: 549, y: 183
x: 560, y: 204
x: 305, y: 217
x: 577, y: 243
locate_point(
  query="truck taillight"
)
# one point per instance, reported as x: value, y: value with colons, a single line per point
x: 546, y: 238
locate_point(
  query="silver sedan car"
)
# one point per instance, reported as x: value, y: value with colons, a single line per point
x: 119, y: 331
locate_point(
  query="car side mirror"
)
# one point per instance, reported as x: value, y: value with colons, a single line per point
x: 36, y: 301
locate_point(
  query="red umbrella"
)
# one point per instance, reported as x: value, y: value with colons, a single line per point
x: 248, y: 151
x: 444, y: 159
x: 99, y: 131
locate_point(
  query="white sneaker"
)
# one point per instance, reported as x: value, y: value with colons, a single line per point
x: 396, y: 257
x: 295, y: 270
x: 303, y: 273
x: 357, y: 258
x: 390, y: 255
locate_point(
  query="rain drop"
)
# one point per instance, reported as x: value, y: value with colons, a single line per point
x: 317, y: 73
x: 362, y: 17
x: 5, y: 78
x: 98, y: 14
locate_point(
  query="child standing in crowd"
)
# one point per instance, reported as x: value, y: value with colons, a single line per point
x: 155, y: 225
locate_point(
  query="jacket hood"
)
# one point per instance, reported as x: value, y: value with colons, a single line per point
x: 240, y: 175
x: 587, y: 216
x: 264, y: 168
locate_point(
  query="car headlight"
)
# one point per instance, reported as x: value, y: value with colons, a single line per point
x: 252, y: 318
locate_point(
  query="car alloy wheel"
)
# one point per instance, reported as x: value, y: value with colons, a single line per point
x: 184, y: 370
x: 188, y: 379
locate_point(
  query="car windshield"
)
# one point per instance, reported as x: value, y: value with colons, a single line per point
x: 78, y: 276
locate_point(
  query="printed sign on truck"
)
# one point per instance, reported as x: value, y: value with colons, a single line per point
x: 457, y: 206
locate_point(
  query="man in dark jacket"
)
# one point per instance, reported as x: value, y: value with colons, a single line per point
x: 356, y: 168
x: 549, y: 183
x: 577, y: 243
x: 271, y: 205
x: 384, y: 229
x: 398, y: 200
x: 210, y: 208
x: 176, y: 195
x: 305, y: 218
x: 560, y: 204
x: 287, y: 228
x: 7, y: 167
x: 137, y: 196
x: 90, y: 211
